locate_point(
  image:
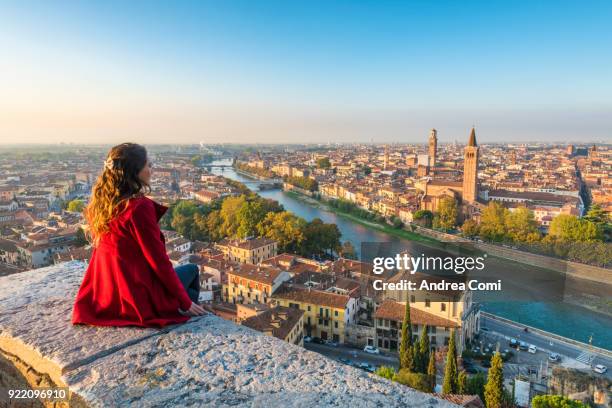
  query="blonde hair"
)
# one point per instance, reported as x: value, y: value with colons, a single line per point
x: 114, y: 187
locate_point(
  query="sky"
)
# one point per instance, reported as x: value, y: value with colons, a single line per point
x: 305, y: 71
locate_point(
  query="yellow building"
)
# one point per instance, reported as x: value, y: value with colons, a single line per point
x: 326, y: 314
x: 252, y: 284
x: 250, y: 250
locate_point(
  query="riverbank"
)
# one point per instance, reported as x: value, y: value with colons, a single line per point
x: 400, y: 233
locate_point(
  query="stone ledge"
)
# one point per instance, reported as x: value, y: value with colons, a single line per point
x: 207, y: 361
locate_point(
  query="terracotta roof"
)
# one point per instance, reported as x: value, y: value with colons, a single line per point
x: 263, y: 274
x: 315, y: 297
x: 279, y: 320
x: 471, y: 401
x: 392, y: 310
x: 247, y: 243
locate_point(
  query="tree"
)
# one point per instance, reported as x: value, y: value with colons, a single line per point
x: 431, y: 370
x: 81, y: 238
x: 494, y: 389
x: 450, y: 370
x: 521, y: 226
x: 424, y: 349
x: 555, y: 401
x: 418, y: 381
x: 405, y: 351
x: 396, y: 222
x: 462, y: 382
x: 323, y: 163
x: 348, y: 250
x: 76, y: 206
x: 423, y: 217
x: 285, y: 228
x: 476, y: 384
x: 447, y: 211
x: 567, y: 227
x: 469, y: 229
x: 386, y: 372
x: 493, y: 222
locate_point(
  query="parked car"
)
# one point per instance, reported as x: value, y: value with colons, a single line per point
x: 523, y: 346
x: 514, y: 343
x: 345, y: 361
x: 600, y: 368
x: 554, y: 357
x: 307, y: 339
x: 469, y: 367
x: 533, y: 349
x: 316, y: 340
x: 331, y: 343
x: 371, y: 350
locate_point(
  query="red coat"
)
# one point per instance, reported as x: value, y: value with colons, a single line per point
x: 130, y: 280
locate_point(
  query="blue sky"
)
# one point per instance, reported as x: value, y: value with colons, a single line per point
x: 281, y: 71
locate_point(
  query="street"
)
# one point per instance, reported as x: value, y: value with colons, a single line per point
x: 354, y: 355
x: 572, y: 355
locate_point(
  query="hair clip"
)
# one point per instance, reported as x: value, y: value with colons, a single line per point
x: 109, y: 164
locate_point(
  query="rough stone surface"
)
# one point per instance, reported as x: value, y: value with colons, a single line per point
x: 205, y: 362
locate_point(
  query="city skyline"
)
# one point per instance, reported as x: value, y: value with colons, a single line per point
x: 274, y: 72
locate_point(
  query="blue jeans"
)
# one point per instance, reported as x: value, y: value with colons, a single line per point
x: 189, y: 275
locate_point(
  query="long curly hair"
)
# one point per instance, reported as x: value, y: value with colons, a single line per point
x: 114, y: 187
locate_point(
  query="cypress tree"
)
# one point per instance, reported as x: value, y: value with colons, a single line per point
x: 416, y: 359
x: 431, y: 370
x: 405, y: 351
x: 461, y: 382
x: 424, y: 348
x: 494, y: 388
x: 450, y: 370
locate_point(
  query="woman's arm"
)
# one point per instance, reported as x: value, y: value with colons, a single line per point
x: 146, y: 231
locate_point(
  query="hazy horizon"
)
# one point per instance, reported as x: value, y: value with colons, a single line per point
x: 294, y: 72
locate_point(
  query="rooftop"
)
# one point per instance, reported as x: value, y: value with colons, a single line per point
x: 205, y: 362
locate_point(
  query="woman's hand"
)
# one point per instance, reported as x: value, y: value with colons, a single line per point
x: 196, y: 310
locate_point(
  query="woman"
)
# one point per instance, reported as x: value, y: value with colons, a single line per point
x: 130, y: 281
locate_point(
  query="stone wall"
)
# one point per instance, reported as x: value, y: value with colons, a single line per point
x: 204, y: 362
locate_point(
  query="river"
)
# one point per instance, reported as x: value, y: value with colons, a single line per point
x: 525, y: 306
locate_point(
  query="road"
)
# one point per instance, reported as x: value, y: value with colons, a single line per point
x: 569, y: 352
x: 353, y: 354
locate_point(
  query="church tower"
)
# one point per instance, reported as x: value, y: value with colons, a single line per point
x: 433, y: 147
x: 470, y: 169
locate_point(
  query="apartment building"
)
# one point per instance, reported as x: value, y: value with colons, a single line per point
x: 249, y: 250
x: 252, y: 284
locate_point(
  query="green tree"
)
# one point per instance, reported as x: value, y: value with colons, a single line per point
x: 285, y: 228
x: 476, y: 384
x: 447, y: 211
x: 462, y: 382
x: 81, y: 238
x: 348, y: 250
x: 76, y: 206
x: 469, y: 229
x: 494, y: 389
x: 424, y: 349
x: 431, y: 370
x: 386, y: 372
x: 450, y: 370
x: 521, y: 226
x: 323, y: 163
x: 423, y: 217
x: 405, y: 351
x: 567, y: 227
x: 418, y: 381
x: 493, y: 222
x: 555, y: 401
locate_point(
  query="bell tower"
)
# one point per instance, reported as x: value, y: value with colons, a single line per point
x: 433, y: 147
x: 470, y: 169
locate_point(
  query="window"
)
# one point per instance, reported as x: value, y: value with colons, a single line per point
x: 427, y: 303
x: 320, y: 311
x: 320, y: 321
x: 336, y: 325
x: 443, y: 307
x: 336, y: 313
x: 412, y: 299
x: 309, y: 308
